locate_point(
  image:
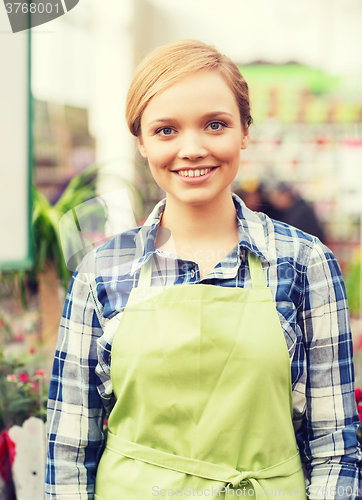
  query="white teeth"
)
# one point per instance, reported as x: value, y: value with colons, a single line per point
x: 194, y: 173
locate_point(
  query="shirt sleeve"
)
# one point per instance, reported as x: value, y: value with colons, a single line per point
x: 327, y: 439
x: 75, y: 410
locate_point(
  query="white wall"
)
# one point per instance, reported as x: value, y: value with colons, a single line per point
x: 14, y: 130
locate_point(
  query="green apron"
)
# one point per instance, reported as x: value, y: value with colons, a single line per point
x: 201, y: 376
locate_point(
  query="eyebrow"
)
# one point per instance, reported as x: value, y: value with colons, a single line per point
x: 213, y: 114
x: 161, y: 120
x: 217, y: 113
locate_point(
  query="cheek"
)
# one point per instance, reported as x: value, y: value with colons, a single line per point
x: 229, y: 151
x: 155, y: 172
x: 161, y: 155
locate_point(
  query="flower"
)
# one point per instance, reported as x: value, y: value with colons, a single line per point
x: 358, y: 394
x: 11, y: 378
x: 41, y: 373
x: 7, y: 455
x: 11, y: 448
x: 23, y: 377
x: 32, y: 350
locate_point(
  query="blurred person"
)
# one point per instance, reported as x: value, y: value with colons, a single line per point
x: 252, y: 194
x: 222, y: 356
x: 288, y: 206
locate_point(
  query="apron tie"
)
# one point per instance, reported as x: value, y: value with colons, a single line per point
x: 240, y: 482
x: 243, y: 480
x: 232, y: 478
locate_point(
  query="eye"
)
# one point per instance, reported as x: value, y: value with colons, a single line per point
x: 165, y: 131
x: 216, y: 125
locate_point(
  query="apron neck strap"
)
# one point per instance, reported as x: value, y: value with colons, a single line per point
x: 256, y: 271
x: 144, y: 280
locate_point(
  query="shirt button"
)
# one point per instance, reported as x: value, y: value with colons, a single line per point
x: 142, y: 293
x: 192, y: 273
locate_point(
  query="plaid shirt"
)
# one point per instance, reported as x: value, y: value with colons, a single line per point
x: 306, y: 283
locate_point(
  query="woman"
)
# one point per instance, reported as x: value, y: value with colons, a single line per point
x: 214, y: 383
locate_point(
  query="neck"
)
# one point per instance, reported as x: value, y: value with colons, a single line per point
x: 196, y: 223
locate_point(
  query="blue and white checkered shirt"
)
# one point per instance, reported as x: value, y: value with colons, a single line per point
x: 306, y: 283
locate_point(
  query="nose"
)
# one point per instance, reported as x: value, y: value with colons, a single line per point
x: 192, y: 147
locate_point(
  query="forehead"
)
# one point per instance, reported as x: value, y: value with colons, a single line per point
x: 200, y: 90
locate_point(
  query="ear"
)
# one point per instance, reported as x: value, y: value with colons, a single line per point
x: 141, y: 147
x: 245, y: 139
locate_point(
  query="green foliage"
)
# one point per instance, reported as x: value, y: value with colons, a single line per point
x: 352, y: 281
x: 5, y: 327
x: 46, y: 217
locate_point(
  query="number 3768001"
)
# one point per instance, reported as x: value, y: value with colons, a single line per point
x: 33, y: 8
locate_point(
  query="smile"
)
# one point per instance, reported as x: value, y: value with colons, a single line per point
x: 194, y: 173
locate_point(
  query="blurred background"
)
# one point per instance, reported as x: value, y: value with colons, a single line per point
x: 303, y: 64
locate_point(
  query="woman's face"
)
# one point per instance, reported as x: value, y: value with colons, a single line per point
x: 192, y: 135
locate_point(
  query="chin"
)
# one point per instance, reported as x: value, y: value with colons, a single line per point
x: 195, y: 201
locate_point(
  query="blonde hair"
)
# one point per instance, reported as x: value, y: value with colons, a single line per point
x: 172, y: 62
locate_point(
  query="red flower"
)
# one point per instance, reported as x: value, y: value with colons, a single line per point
x: 32, y: 350
x: 11, y: 448
x: 7, y: 455
x: 358, y: 394
x: 4, y: 462
x: 23, y: 377
x: 41, y: 372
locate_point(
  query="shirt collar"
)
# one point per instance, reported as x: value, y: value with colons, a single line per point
x: 146, y: 237
x: 251, y: 233
x: 251, y: 229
